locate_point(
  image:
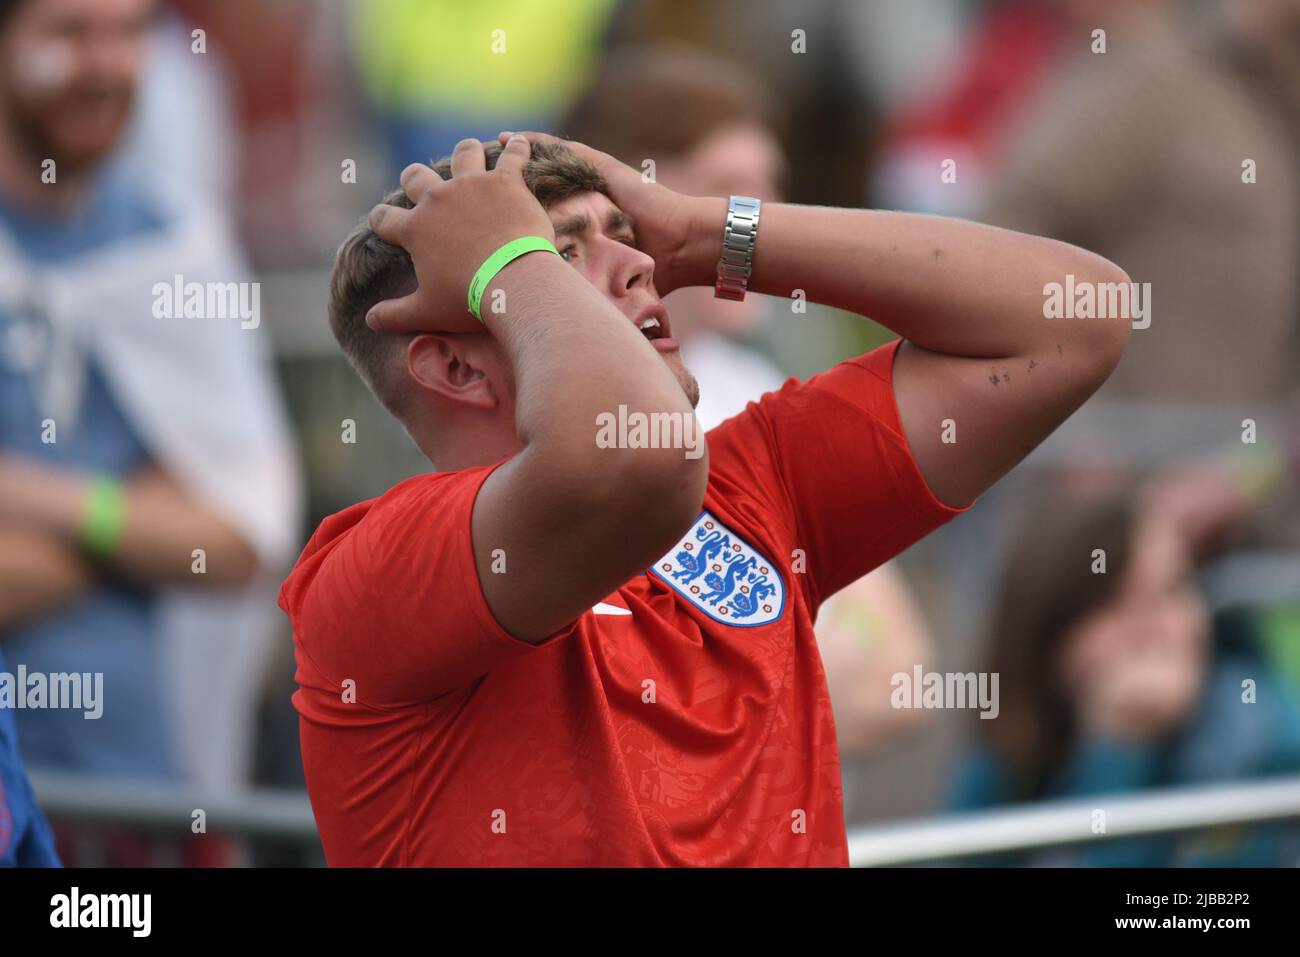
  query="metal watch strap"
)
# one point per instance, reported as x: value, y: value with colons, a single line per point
x: 738, y: 239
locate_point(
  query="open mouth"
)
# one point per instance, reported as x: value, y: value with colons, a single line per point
x: 652, y: 321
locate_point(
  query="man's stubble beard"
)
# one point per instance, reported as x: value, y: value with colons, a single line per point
x: 27, y: 122
x: 690, y: 386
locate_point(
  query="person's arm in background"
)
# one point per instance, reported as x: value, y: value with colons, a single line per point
x: 968, y: 298
x: 1130, y: 700
x: 38, y: 571
x: 867, y: 633
x: 162, y: 526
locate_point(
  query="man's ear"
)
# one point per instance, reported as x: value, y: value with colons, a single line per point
x: 443, y: 365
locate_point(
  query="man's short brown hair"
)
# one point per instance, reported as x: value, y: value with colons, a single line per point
x: 368, y: 270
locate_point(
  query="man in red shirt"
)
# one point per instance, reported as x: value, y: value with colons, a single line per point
x: 572, y: 644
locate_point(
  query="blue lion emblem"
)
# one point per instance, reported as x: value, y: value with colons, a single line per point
x: 746, y: 604
x: 723, y: 576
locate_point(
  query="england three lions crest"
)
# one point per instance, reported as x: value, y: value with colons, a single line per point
x: 721, y: 574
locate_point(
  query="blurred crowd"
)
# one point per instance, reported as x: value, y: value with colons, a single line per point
x: 1135, y: 584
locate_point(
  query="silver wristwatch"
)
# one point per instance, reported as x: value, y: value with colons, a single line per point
x: 738, y: 239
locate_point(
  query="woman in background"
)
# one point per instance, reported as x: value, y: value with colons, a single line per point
x: 1115, y: 678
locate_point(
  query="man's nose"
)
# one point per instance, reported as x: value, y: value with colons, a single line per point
x: 633, y: 269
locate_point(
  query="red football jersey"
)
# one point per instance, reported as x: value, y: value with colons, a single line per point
x: 684, y: 720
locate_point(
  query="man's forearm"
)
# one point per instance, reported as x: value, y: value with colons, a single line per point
x: 948, y: 285
x: 161, y: 527
x: 554, y: 328
x: 970, y: 301
x: 38, y: 571
x: 576, y: 518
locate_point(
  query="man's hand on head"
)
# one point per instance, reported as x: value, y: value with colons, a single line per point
x: 453, y: 227
x: 683, y: 234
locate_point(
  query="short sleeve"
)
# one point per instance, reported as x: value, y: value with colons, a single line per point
x: 394, y: 601
x: 828, y: 456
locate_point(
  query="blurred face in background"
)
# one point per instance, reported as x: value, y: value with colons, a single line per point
x: 1273, y: 25
x: 68, y: 73
x: 1086, y: 12
x: 1265, y: 16
x: 1136, y: 666
x: 741, y: 160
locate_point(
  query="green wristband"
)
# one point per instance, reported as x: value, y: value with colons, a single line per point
x: 105, y: 516
x: 497, y: 261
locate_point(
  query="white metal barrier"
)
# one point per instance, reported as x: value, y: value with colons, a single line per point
x: 287, y: 816
x: 1059, y: 824
x: 255, y: 813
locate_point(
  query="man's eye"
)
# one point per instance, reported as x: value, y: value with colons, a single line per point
x: 566, y: 252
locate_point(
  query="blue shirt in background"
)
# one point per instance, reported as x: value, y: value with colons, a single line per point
x: 111, y: 629
x: 25, y: 838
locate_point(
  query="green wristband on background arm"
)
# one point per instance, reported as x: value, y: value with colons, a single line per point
x: 498, y: 261
x: 105, y: 516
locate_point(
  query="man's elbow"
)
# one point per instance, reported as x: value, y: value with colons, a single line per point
x: 235, y: 563
x: 1119, y: 328
x: 1120, y: 306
